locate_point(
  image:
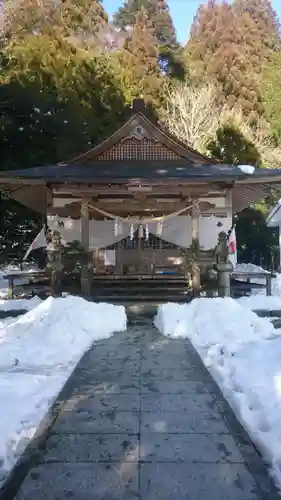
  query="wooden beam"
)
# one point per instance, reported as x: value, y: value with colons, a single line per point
x: 97, y: 189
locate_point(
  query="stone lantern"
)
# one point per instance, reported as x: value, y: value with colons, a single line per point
x: 55, y: 251
x: 223, y: 265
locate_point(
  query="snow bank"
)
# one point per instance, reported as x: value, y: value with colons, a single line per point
x: 212, y: 321
x: 57, y: 331
x: 38, y: 352
x: 243, y: 353
x: 19, y: 304
x: 260, y: 302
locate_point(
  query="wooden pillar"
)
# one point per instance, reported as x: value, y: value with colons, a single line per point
x: 268, y: 284
x: 85, y: 239
x: 195, y: 250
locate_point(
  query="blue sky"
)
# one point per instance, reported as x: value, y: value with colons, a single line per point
x: 182, y: 11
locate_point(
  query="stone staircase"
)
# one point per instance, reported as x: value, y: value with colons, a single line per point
x: 140, y: 289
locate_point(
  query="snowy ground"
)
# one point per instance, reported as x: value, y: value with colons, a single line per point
x: 19, y: 304
x: 38, y: 352
x: 243, y: 353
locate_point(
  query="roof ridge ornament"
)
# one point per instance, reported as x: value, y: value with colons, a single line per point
x: 139, y: 105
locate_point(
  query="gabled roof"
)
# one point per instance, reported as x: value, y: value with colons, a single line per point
x: 140, y: 139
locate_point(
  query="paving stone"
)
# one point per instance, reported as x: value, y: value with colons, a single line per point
x: 122, y: 385
x: 101, y: 403
x: 103, y: 365
x: 197, y: 482
x: 154, y: 362
x: 189, y: 374
x: 97, y: 373
x: 177, y: 402
x: 175, y: 387
x: 96, y: 448
x: 205, y: 422
x: 189, y: 448
x: 81, y: 482
x: 103, y: 423
x: 118, y: 351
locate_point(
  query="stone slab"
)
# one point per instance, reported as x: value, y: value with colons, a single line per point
x: 205, y: 422
x: 174, y: 387
x: 96, y: 373
x: 197, y: 482
x: 157, y: 363
x: 81, y: 482
x: 177, y: 402
x: 190, y: 374
x: 101, y: 403
x: 103, y: 423
x: 119, y: 350
x: 96, y: 448
x: 122, y: 385
x: 189, y: 448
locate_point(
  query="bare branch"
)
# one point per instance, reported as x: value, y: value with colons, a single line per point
x: 193, y: 114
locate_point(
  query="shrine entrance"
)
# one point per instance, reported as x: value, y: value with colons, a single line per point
x: 112, y: 198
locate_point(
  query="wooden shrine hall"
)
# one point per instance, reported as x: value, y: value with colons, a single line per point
x: 141, y: 203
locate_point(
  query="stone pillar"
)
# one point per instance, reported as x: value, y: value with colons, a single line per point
x: 223, y: 265
x: 55, y: 263
x: 195, y: 251
x: 85, y: 238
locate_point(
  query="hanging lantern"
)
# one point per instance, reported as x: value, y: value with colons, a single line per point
x: 140, y: 232
x: 132, y: 232
x: 146, y: 232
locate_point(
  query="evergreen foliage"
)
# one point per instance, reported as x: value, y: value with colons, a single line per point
x: 138, y: 63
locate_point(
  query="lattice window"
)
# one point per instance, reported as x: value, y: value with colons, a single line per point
x: 153, y: 242
x: 132, y: 149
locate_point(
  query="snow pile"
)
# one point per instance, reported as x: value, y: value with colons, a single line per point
x: 260, y: 302
x: 204, y: 320
x: 19, y: 304
x: 38, y: 352
x: 243, y: 353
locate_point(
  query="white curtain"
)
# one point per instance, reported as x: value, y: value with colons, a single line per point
x: 179, y: 230
x: 176, y: 230
x: 102, y: 233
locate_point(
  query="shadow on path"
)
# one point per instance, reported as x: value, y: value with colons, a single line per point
x: 142, y: 419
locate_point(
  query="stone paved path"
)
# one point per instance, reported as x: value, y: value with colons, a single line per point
x: 144, y: 420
